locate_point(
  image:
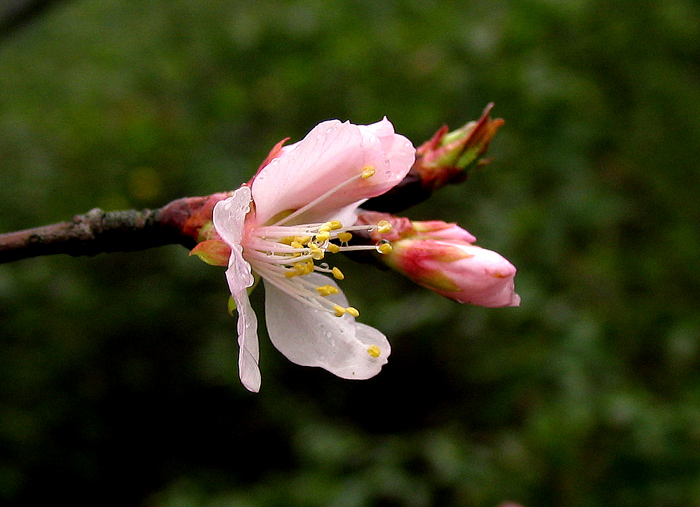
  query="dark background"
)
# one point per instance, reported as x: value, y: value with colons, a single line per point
x: 118, y: 379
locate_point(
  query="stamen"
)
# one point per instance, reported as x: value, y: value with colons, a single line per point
x: 284, y: 254
x: 384, y: 247
x: 316, y: 252
x: 327, y: 290
x: 304, y: 268
x: 323, y: 236
x: 374, y: 351
x: 344, y: 236
x: 383, y: 227
x: 367, y: 172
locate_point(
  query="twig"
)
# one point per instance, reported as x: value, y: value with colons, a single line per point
x: 98, y: 231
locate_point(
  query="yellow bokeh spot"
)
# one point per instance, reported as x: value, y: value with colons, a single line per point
x: 144, y: 183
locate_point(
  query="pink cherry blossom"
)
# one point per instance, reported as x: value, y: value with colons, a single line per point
x: 299, y: 208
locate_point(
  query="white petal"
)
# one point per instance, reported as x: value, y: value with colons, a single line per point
x: 249, y: 352
x: 229, y: 215
x: 310, y: 337
x: 229, y: 222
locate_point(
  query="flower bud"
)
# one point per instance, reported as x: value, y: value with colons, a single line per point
x: 440, y: 256
x: 458, y: 270
x: 448, y: 156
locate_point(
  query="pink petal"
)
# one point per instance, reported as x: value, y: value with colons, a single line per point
x: 331, y: 154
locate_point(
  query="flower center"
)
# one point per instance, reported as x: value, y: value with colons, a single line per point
x: 284, y: 254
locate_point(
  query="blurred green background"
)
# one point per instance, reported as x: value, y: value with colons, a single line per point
x: 118, y: 380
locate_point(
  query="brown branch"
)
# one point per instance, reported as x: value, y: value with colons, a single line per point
x: 98, y: 231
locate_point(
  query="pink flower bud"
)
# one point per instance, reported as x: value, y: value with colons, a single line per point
x: 458, y: 270
x: 440, y: 256
x: 402, y: 227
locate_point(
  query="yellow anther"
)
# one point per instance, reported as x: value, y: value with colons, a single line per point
x: 374, y: 351
x: 367, y: 172
x: 303, y: 239
x: 353, y: 311
x: 339, y: 310
x: 315, y: 252
x: 287, y: 240
x: 333, y: 248
x: 323, y: 236
x: 335, y: 225
x: 338, y: 274
x: 304, y: 268
x: 290, y: 273
x: 384, y: 248
x: 296, y: 244
x: 383, y: 226
x: 344, y: 236
x: 325, y: 227
x: 327, y: 290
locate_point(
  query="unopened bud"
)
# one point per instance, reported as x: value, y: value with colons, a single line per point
x: 440, y: 256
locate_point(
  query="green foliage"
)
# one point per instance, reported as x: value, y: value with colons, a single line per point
x: 118, y: 380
